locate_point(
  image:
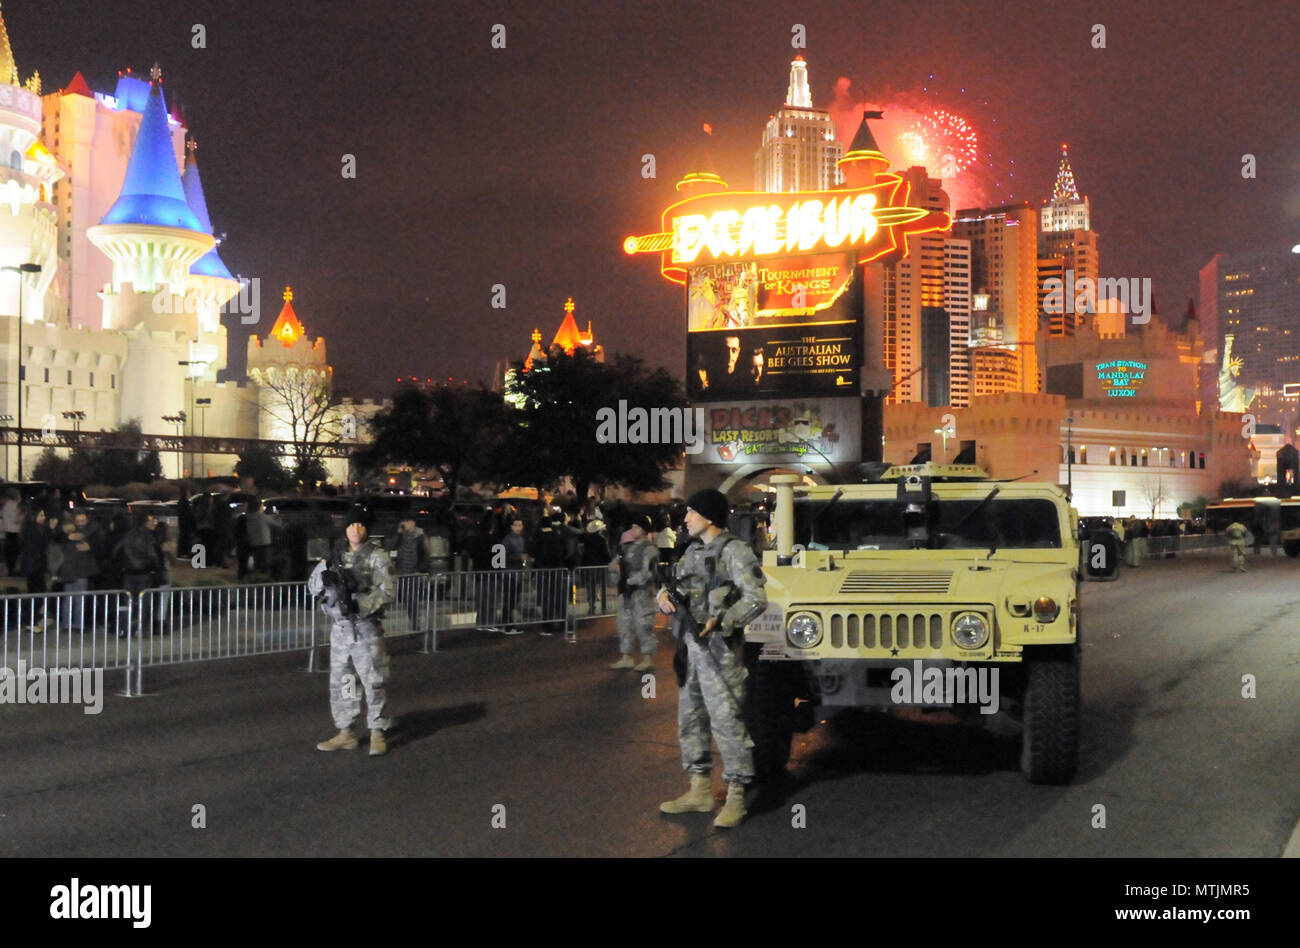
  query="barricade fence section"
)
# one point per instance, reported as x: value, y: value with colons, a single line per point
x: 501, y: 600
x: 70, y: 629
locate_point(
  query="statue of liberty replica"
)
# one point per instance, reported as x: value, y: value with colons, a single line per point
x: 1233, y: 396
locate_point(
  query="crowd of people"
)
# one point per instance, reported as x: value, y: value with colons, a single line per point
x: 593, y: 536
x: 56, y: 548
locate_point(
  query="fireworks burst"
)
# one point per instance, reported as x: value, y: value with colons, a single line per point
x: 943, y: 133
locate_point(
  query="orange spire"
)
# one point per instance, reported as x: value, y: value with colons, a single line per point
x: 288, y: 328
x: 568, y: 337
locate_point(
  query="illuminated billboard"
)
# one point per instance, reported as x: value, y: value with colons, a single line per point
x: 734, y: 226
x: 812, y: 431
x: 1121, y: 378
x: 789, y: 360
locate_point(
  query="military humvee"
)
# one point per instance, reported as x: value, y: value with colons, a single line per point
x: 932, y: 587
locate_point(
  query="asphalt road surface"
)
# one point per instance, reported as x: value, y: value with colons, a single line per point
x: 567, y: 758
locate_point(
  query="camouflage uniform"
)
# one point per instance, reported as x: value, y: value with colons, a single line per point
x: 709, y: 704
x: 359, y: 640
x: 636, y: 609
x: 1236, y: 534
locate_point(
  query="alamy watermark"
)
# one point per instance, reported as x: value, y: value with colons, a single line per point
x: 1081, y: 295
x: 949, y: 686
x: 638, y: 425
x: 77, y: 901
x: 247, y: 303
x: 84, y: 686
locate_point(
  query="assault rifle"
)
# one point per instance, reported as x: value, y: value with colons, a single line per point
x: 339, y: 589
x: 681, y: 602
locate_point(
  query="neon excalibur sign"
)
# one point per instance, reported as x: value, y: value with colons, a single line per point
x: 726, y: 226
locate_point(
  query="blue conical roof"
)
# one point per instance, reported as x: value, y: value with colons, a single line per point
x: 209, y: 264
x: 152, y: 192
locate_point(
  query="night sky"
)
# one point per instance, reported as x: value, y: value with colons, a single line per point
x: 522, y: 166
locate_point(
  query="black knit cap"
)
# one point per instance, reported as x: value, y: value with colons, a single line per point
x: 642, y: 521
x: 711, y: 505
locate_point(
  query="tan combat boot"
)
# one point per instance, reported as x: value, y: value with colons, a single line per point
x: 698, y: 799
x: 646, y: 664
x: 733, y: 811
x: 343, y: 740
x: 624, y: 662
x: 378, y: 743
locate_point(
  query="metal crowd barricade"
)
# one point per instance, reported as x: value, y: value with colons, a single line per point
x: 500, y: 599
x: 65, y: 630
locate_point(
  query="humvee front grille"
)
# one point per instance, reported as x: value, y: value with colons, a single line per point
x: 878, y: 582
x: 901, y: 630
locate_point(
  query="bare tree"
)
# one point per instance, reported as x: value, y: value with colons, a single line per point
x: 1154, y: 493
x: 303, y: 411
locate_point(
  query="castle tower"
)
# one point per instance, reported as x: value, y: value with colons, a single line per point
x: 290, y: 371
x: 799, y: 151
x: 210, y: 283
x: 28, y: 231
x: 152, y: 237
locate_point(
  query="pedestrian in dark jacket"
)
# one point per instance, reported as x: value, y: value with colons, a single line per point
x: 142, y: 560
x: 550, y: 555
x: 78, y: 568
x: 412, y: 548
x: 595, y: 557
x: 33, y: 560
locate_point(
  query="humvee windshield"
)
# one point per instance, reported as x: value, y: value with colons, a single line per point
x: 877, y: 524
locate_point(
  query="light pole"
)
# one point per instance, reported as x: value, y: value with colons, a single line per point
x: 76, y: 417
x: 4, y: 420
x: 178, y: 420
x: 202, y: 404
x: 190, y: 377
x: 1069, y: 457
x: 20, y: 270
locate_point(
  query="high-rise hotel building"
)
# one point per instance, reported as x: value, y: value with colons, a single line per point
x: 1004, y: 294
x: 799, y: 150
x: 1255, y: 298
x: 1066, y: 242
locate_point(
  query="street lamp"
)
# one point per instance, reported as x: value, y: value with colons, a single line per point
x: 178, y: 420
x: 20, y: 270
x: 202, y: 404
x: 1069, y: 457
x: 190, y: 377
x: 76, y: 417
x: 4, y: 420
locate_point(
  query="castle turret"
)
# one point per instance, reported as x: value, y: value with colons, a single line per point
x: 153, y: 237
x: 211, y: 282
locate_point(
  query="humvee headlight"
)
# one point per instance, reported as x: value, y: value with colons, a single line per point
x: 969, y: 630
x: 804, y: 630
x: 1046, y: 609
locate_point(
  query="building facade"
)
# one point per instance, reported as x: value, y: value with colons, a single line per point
x: 114, y: 291
x: 799, y: 151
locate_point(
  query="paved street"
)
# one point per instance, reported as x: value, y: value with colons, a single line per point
x: 1182, y: 763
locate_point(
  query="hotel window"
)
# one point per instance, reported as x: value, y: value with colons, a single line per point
x: 1144, y: 457
x: 1202, y: 460
x: 1132, y: 460
x: 92, y: 379
x: 47, y: 375
x: 69, y: 376
x: 1083, y: 454
x: 1112, y: 455
x: 112, y: 381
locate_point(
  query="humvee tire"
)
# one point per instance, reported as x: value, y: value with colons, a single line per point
x: 1049, y: 751
x: 773, y: 687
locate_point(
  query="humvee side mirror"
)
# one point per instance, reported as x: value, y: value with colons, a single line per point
x: 1099, y: 555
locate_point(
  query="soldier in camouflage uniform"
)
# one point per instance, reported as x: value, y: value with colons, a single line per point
x: 724, y: 582
x: 635, y: 569
x: 357, y: 639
